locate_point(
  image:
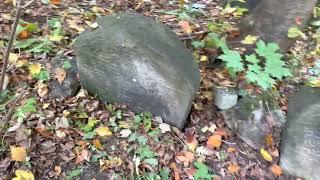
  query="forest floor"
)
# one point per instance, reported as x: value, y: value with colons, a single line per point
x: 110, y: 141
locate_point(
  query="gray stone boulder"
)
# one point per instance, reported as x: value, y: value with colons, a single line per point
x: 133, y: 60
x: 252, y: 119
x: 300, y: 139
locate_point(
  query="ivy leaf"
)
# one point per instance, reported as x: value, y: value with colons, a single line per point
x: 252, y: 59
x: 151, y: 161
x: 202, y: 171
x: 295, y: 32
x: 145, y: 152
x: 198, y: 44
x: 164, y: 173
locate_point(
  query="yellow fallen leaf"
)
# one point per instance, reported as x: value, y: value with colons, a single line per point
x: 103, y: 131
x: 73, y: 24
x: 34, y: 69
x: 249, y: 39
x: 22, y: 62
x: 113, y: 163
x: 97, y: 144
x: 203, y: 58
x: 13, y: 58
x: 315, y: 83
x: 18, y: 153
x: 56, y: 38
x: 23, y: 175
x: 265, y: 154
x: 42, y: 89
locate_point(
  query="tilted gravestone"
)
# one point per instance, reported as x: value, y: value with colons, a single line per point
x: 300, y: 141
x: 271, y: 19
x: 134, y: 60
x: 252, y: 119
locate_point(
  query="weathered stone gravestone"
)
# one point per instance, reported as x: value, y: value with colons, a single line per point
x: 252, y: 119
x: 134, y: 60
x: 300, y: 141
x: 271, y: 19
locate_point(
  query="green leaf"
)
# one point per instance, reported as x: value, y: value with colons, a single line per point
x: 198, y: 44
x: 66, y: 65
x: 28, y: 107
x: 164, y: 173
x: 233, y: 61
x: 25, y: 43
x: 151, y: 161
x: 252, y: 59
x: 202, y: 172
x: 44, y: 75
x: 89, y: 126
x: 74, y: 173
x: 89, y: 135
x: 295, y: 32
x: 145, y: 152
x: 315, y: 23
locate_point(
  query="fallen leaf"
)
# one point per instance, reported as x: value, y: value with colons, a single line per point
x: 265, y: 154
x: 97, y: 144
x: 164, y: 128
x: 42, y: 89
x: 204, y: 58
x: 233, y: 168
x: 125, y: 133
x: 13, y: 58
x: 57, y: 170
x: 82, y: 156
x: 214, y: 141
x: 103, y: 131
x: 74, y: 25
x: 249, y: 39
x: 34, y: 69
x: 22, y: 62
x: 18, y: 153
x: 269, y: 139
x: 185, y: 26
x: 231, y: 149
x: 276, y: 170
x: 107, y: 164
x: 60, y: 74
x: 24, y: 34
x: 192, y: 143
x: 43, y: 131
x: 55, y: 2
x: 23, y: 175
x: 173, y: 166
x: 62, y: 122
x: 185, y: 157
x: 212, y: 128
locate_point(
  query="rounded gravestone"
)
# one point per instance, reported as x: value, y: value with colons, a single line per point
x: 300, y: 141
x: 134, y: 60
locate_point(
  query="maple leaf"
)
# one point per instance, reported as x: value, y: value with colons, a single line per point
x: 233, y: 168
x: 214, y: 141
x: 276, y: 170
x: 202, y: 171
x: 233, y: 61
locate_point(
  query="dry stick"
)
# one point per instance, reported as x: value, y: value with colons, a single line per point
x: 12, y: 37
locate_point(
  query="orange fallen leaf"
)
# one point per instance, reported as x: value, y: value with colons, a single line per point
x: 231, y: 149
x: 55, y: 2
x: 24, y: 34
x: 191, y: 140
x: 97, y: 144
x: 43, y: 131
x: 269, y: 139
x: 18, y: 153
x: 233, y: 168
x: 173, y: 166
x: 185, y: 25
x: 276, y: 170
x: 185, y: 157
x: 214, y: 141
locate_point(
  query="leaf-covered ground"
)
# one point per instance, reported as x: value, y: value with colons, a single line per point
x: 80, y: 136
